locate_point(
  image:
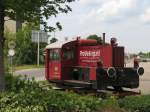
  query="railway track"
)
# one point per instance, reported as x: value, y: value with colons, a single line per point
x: 92, y: 92
x: 103, y: 93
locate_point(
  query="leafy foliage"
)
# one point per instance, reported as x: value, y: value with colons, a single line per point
x: 53, y: 40
x: 144, y: 55
x: 35, y: 11
x: 25, y: 50
x: 28, y: 11
x: 136, y: 103
x: 23, y: 95
x: 95, y: 37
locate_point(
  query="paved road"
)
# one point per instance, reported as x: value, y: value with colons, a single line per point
x: 144, y: 87
x: 38, y: 73
x: 145, y: 79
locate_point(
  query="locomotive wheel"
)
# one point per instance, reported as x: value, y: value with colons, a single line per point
x: 118, y: 88
x: 75, y: 74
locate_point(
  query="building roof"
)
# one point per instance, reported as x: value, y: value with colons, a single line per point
x: 57, y: 44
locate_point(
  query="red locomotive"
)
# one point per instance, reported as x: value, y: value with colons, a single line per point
x: 85, y: 63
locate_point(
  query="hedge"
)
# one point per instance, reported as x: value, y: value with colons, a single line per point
x: 23, y: 95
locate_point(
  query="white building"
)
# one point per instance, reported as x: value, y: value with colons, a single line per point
x: 12, y: 26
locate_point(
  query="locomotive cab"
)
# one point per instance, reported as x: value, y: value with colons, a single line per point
x: 53, y: 61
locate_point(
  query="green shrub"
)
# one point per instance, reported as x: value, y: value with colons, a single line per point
x: 17, y: 83
x: 136, y: 103
x: 25, y: 95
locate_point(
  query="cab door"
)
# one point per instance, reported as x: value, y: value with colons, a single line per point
x: 55, y: 64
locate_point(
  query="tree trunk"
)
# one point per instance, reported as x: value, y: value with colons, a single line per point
x: 2, y: 77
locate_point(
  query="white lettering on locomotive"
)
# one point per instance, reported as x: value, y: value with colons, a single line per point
x: 90, y: 53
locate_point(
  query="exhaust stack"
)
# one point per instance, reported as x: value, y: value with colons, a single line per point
x: 104, y: 38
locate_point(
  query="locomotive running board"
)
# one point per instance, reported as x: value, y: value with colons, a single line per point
x: 77, y: 83
x: 119, y: 94
x: 97, y: 93
x: 72, y: 83
x: 86, y: 87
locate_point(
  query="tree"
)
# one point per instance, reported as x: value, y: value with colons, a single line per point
x: 26, y: 51
x: 53, y: 40
x: 34, y: 11
x: 95, y: 37
x: 140, y: 53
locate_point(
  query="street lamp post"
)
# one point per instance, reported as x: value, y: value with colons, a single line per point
x: 38, y: 52
x: 39, y: 37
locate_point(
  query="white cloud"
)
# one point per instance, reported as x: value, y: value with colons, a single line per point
x: 85, y: 1
x: 110, y: 9
x: 146, y: 16
x: 98, y: 15
x: 89, y: 2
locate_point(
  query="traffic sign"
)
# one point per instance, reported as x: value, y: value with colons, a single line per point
x: 11, y: 45
x: 11, y: 52
x: 39, y: 36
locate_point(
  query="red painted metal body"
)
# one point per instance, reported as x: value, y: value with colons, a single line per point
x: 77, y: 61
x: 53, y: 64
x: 81, y: 54
x: 86, y: 54
x: 53, y: 61
x: 46, y: 64
x: 118, y: 57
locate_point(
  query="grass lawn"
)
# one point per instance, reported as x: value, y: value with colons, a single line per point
x: 22, y: 67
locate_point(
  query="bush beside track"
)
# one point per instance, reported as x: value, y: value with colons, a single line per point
x: 23, y: 95
x: 136, y: 103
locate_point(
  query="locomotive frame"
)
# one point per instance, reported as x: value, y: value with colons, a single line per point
x: 75, y: 64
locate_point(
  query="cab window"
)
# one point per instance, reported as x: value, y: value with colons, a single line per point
x: 68, y: 54
x: 54, y: 54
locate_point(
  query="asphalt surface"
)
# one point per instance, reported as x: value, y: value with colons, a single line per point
x: 145, y: 79
x: 38, y: 73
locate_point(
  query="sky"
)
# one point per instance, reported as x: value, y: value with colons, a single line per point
x: 127, y: 20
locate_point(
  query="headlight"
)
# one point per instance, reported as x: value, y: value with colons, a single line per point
x: 75, y: 69
x: 111, y: 72
x: 140, y: 71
